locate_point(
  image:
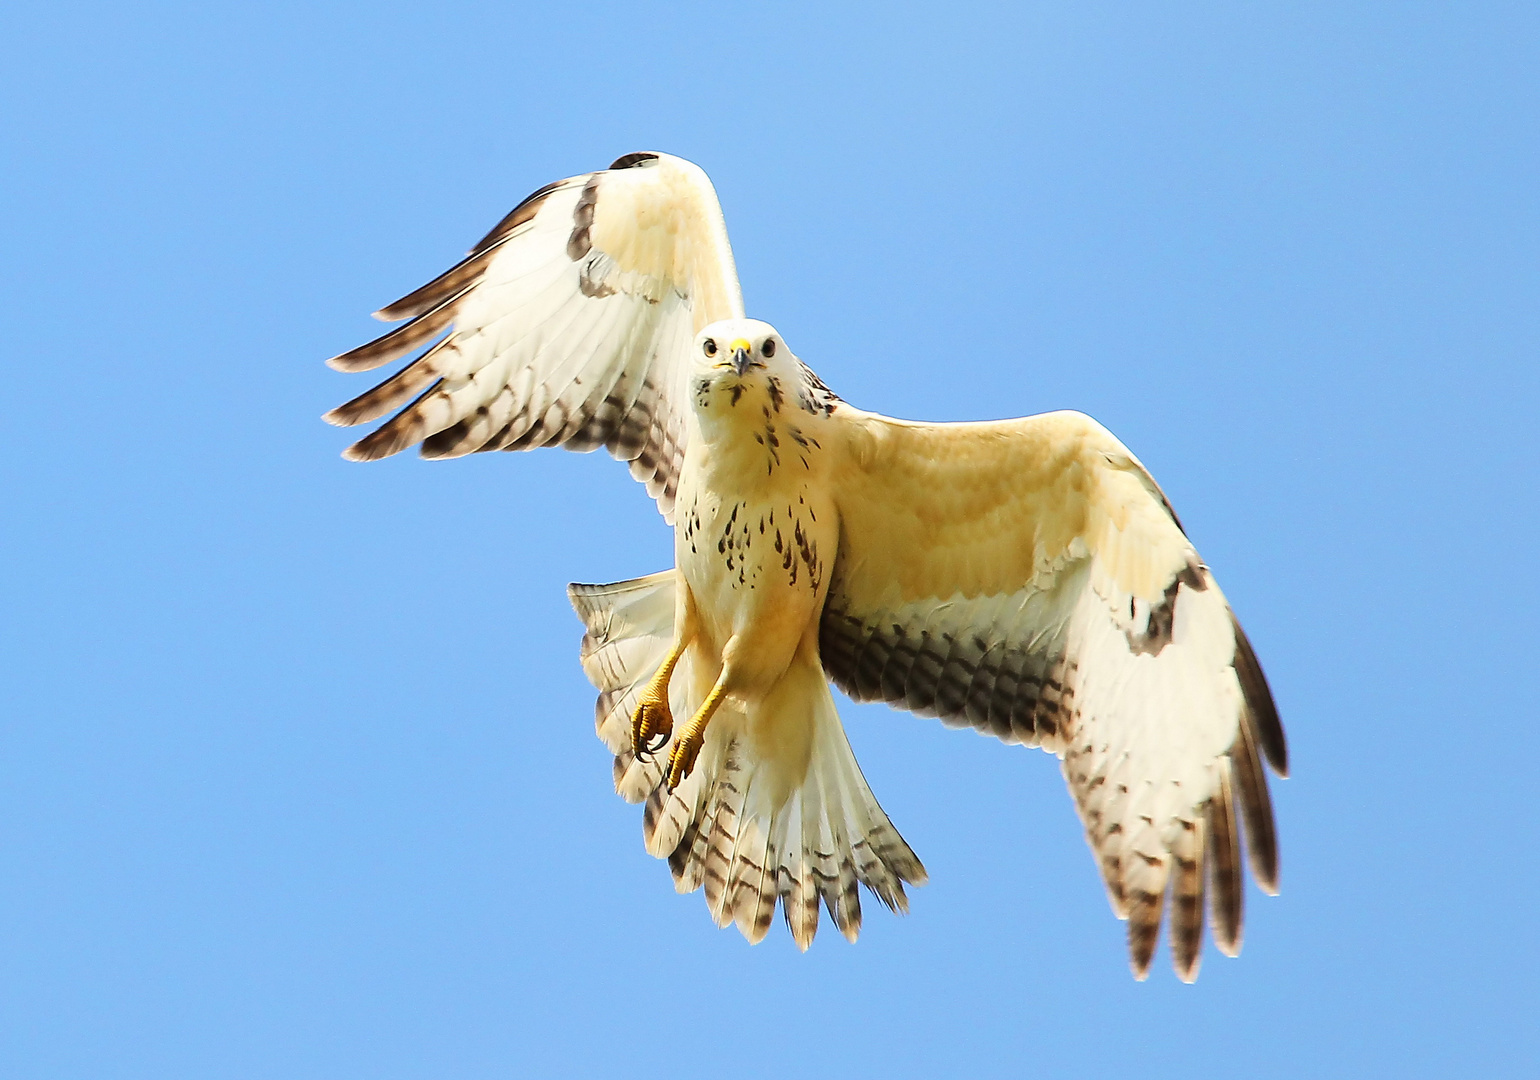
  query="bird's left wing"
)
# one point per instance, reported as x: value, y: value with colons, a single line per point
x: 1028, y: 578
x: 565, y: 326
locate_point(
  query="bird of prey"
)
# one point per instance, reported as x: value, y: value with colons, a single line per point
x: 1026, y: 578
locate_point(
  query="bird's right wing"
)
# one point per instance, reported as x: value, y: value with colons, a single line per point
x: 567, y: 325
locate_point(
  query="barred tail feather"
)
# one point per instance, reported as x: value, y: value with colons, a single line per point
x: 739, y: 826
x: 751, y: 845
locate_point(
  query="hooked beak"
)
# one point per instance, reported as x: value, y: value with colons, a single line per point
x: 742, y: 357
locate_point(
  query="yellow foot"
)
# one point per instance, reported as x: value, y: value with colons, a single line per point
x: 687, y: 747
x: 682, y: 758
x: 651, y: 725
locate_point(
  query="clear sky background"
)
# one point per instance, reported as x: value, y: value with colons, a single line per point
x: 297, y: 770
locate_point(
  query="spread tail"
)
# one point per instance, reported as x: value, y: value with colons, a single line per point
x: 741, y: 825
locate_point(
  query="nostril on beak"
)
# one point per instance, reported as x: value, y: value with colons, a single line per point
x: 740, y: 360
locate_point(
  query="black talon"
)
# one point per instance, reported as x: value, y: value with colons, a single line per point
x: 643, y: 747
x: 645, y: 751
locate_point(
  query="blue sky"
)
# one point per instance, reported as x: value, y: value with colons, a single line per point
x: 297, y: 773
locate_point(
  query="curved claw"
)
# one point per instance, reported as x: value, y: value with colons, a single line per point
x: 651, y: 727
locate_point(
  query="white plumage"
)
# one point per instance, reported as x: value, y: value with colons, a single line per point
x: 1024, y: 577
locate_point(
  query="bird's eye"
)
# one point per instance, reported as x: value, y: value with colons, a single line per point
x: 768, y: 348
x: 710, y: 347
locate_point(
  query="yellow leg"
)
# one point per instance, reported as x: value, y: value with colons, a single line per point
x: 687, y: 747
x: 652, y: 719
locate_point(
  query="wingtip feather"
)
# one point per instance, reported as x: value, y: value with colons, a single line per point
x: 371, y: 449
x: 1261, y: 837
x: 1267, y: 726
x: 1226, y: 890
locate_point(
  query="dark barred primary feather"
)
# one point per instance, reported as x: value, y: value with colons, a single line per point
x: 1226, y: 890
x: 1142, y: 910
x: 1256, y: 810
x: 403, y: 339
x: 1187, y: 896
x: 391, y: 393
x: 404, y: 429
x: 432, y: 307
x: 468, y: 270
x: 1266, y: 726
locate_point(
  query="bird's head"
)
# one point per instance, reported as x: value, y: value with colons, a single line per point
x: 739, y: 356
x: 739, y: 347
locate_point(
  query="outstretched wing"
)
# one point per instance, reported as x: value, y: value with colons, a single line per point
x: 565, y: 326
x: 1028, y: 578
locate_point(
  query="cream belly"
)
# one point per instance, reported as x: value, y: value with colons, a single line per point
x: 757, y: 570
